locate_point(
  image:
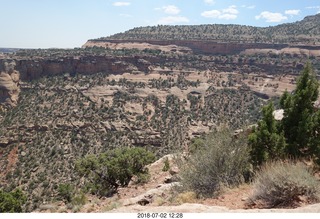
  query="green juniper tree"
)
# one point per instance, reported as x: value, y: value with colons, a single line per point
x: 301, y: 120
x: 265, y: 141
x: 298, y: 133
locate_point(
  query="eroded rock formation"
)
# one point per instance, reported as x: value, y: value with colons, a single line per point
x: 209, y: 47
x: 9, y: 79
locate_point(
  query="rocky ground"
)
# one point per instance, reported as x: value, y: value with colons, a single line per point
x: 158, y: 195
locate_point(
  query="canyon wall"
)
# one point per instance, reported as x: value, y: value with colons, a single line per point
x: 13, y: 70
x: 207, y: 47
x: 34, y: 68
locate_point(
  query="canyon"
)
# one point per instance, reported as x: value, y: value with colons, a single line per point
x: 138, y: 90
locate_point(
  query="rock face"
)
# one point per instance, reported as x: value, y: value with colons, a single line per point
x: 34, y: 68
x: 240, y: 57
x: 15, y: 70
x: 9, y: 79
x: 209, y: 47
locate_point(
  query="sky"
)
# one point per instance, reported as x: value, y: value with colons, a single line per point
x: 70, y: 23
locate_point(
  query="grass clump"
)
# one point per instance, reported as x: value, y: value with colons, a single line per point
x: 186, y: 197
x: 222, y: 161
x: 284, y: 184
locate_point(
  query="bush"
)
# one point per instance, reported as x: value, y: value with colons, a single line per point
x: 196, y: 144
x: 142, y: 178
x: 108, y: 171
x: 280, y: 184
x: 222, y: 161
x: 66, y: 191
x: 186, y: 197
x: 12, y: 202
x: 166, y: 165
x: 79, y: 200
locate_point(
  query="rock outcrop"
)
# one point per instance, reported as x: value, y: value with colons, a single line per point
x: 34, y: 68
x: 210, y: 47
x: 9, y: 79
x: 15, y: 70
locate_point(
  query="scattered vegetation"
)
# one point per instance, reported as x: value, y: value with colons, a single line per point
x: 281, y: 183
x: 59, y: 128
x: 221, y: 162
x: 305, y: 31
x: 107, y: 171
x: 61, y: 121
x: 284, y: 184
x: 297, y: 134
x: 12, y: 202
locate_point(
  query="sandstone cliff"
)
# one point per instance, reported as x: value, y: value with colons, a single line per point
x: 9, y: 79
x: 209, y: 47
x: 15, y: 70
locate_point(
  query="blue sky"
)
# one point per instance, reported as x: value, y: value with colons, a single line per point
x: 70, y: 23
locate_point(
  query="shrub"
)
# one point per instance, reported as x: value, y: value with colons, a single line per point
x: 196, y: 144
x: 280, y: 184
x: 79, y: 200
x: 66, y: 191
x: 12, y: 201
x: 142, y: 178
x: 186, y: 197
x: 222, y: 161
x: 108, y: 171
x: 166, y: 165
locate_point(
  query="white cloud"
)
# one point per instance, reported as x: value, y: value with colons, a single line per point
x: 119, y: 4
x: 229, y: 13
x: 271, y: 17
x: 249, y: 7
x: 292, y: 12
x: 209, y: 2
x: 228, y: 16
x: 169, y: 9
x: 211, y: 14
x: 231, y: 10
x: 173, y: 20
